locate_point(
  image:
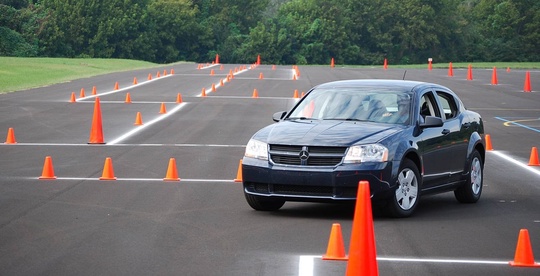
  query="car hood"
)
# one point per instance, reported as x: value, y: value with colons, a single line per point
x: 325, y: 132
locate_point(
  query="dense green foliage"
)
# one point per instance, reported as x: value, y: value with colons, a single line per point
x: 281, y: 31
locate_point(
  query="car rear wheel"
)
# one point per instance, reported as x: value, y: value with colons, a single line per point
x: 261, y: 203
x: 407, y: 194
x: 471, y: 191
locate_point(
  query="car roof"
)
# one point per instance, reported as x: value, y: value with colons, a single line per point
x: 381, y: 83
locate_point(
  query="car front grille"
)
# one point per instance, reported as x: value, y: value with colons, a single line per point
x: 301, y: 190
x: 306, y: 155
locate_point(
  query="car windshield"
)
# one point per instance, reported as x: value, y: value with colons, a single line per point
x: 371, y: 104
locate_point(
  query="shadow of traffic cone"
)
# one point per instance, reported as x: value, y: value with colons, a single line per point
x: 94, y: 90
x: 239, y: 172
x: 255, y: 93
x: 162, y: 109
x: 72, y: 99
x: 138, y: 119
x: 469, y: 73
x: 96, y: 131
x: 488, y: 142
x: 116, y: 87
x: 336, y: 248
x: 527, y: 85
x: 10, y: 139
x: 494, y: 80
x: 172, y: 172
x: 128, y: 98
x: 524, y: 254
x: 82, y: 95
x: 533, y: 160
x: 450, y: 70
x: 179, y: 98
x: 362, y: 251
x: 108, y: 171
x: 48, y: 170
x: 135, y: 80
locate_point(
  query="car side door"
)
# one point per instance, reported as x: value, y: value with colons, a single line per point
x: 433, y: 144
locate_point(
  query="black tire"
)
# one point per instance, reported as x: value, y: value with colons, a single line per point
x: 407, y: 194
x: 261, y: 203
x: 472, y: 189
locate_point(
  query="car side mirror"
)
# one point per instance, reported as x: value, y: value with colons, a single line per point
x: 279, y: 115
x: 431, y: 121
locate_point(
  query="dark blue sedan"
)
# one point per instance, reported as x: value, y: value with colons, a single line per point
x: 406, y: 138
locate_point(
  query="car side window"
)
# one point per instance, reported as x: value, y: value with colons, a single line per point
x: 448, y: 104
x: 428, y: 106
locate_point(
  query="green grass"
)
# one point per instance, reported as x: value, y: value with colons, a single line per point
x: 24, y: 73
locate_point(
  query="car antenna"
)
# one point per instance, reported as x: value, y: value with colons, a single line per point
x: 404, y: 73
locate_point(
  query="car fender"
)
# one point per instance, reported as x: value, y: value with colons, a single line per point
x: 475, y: 142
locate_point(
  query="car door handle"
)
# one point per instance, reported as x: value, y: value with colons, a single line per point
x: 445, y: 131
x: 467, y: 125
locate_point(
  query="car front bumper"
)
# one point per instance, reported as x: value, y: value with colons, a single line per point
x: 312, y: 183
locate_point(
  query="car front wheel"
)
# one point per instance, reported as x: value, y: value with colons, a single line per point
x: 407, y: 194
x: 261, y: 203
x: 471, y: 191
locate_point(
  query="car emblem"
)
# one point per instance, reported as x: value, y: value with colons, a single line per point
x: 304, y: 155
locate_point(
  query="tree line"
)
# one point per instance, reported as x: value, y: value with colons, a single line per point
x: 281, y: 31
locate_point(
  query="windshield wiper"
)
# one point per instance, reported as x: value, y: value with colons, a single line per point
x: 347, y: 119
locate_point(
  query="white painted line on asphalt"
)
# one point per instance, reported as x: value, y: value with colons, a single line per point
x: 306, y: 262
x: 515, y: 162
x: 136, y: 179
x: 121, y: 89
x: 140, y: 128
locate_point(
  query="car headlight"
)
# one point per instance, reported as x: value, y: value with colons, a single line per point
x: 366, y: 153
x: 257, y: 149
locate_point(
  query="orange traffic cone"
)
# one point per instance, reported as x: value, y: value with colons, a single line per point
x: 469, y: 73
x: 149, y: 76
x: 108, y: 171
x: 162, y: 110
x: 10, y: 139
x: 295, y: 94
x: 362, y: 252
x: 138, y: 119
x: 72, y: 99
x: 524, y: 254
x: 96, y: 132
x: 385, y: 64
x: 135, y: 80
x: 294, y: 77
x: 179, y: 98
x: 527, y: 86
x: 48, y: 171
x: 221, y: 82
x: 217, y: 59
x: 533, y: 160
x: 158, y: 75
x: 507, y: 69
x: 128, y: 98
x: 213, y: 88
x: 165, y: 72
x: 488, y: 142
x: 261, y: 76
x: 255, y: 93
x: 332, y: 64
x: 273, y: 67
x: 450, y: 70
x: 172, y: 172
x: 116, y: 86
x: 172, y: 71
x: 203, y: 92
x: 82, y: 95
x: 336, y: 248
x: 239, y: 172
x: 494, y: 80
x: 212, y: 72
